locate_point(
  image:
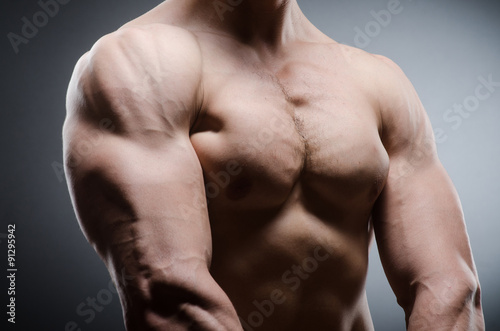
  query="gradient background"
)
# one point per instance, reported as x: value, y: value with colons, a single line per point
x: 442, y: 45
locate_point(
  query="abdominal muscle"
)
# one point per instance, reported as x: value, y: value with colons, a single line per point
x: 286, y: 269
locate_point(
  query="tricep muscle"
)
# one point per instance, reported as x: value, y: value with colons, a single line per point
x: 131, y: 188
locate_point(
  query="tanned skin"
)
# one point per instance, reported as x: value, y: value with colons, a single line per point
x: 226, y: 161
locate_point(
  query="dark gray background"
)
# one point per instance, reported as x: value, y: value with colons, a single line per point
x: 442, y: 45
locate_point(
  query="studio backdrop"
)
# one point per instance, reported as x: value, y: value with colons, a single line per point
x: 448, y: 49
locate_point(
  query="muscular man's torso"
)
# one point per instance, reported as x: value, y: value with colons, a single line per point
x: 293, y: 163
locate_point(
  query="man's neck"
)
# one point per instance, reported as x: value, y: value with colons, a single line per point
x: 272, y: 22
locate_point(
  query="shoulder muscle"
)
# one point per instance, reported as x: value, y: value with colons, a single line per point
x: 405, y: 123
x: 139, y: 74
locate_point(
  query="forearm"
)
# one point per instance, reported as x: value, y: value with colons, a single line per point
x: 174, y: 306
x: 186, y: 317
x: 452, y: 306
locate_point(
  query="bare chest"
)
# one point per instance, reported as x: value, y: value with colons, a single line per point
x: 262, y: 134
